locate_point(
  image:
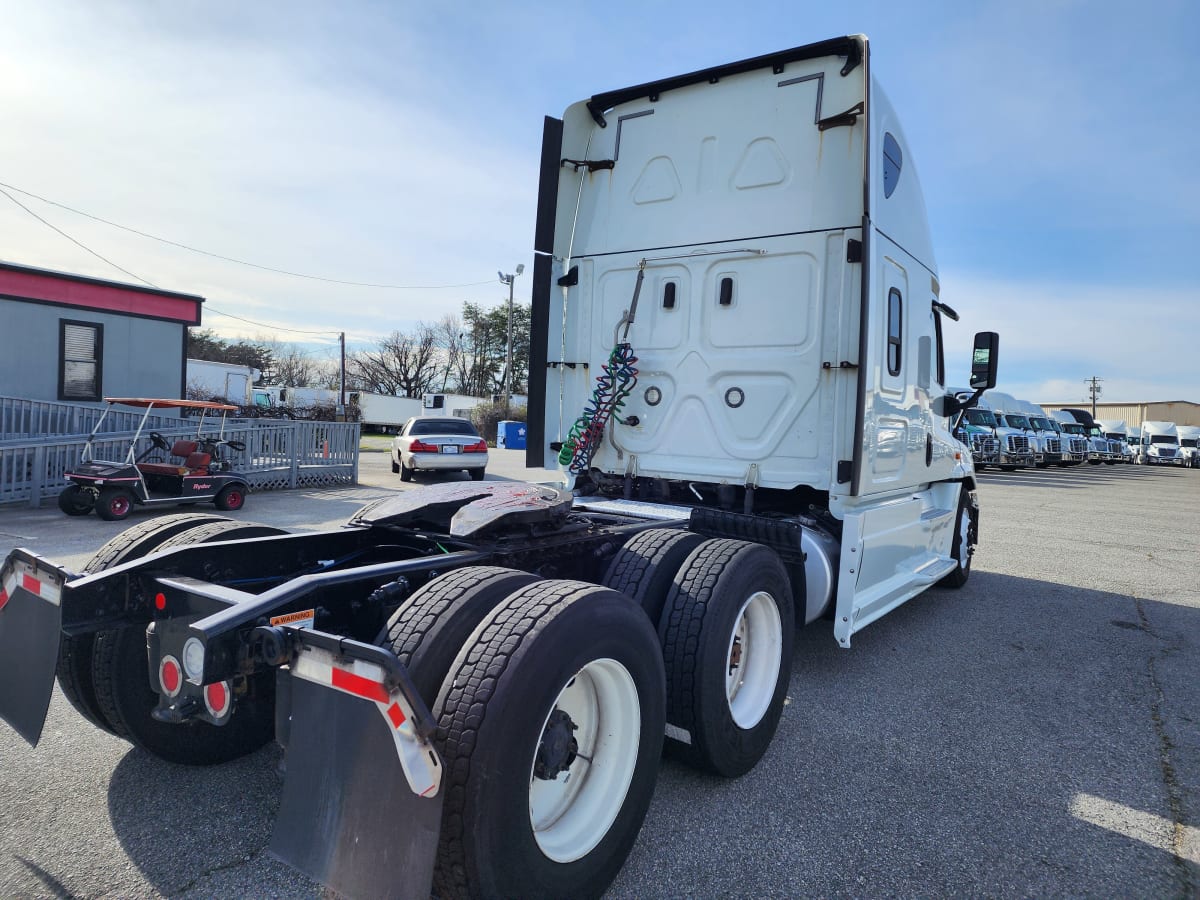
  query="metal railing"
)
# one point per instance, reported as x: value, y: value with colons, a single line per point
x: 278, y: 454
x: 20, y: 418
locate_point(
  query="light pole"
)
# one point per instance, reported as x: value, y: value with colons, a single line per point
x: 509, y: 279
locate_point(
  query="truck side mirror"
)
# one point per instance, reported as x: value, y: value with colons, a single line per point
x: 983, y: 361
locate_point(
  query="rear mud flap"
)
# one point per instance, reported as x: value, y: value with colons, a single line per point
x: 30, y: 631
x: 350, y: 817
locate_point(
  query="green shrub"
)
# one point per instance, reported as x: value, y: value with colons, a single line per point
x: 486, y: 417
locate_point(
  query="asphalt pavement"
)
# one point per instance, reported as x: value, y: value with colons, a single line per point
x: 1032, y: 734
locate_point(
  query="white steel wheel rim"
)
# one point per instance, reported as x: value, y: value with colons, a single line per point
x: 572, y: 813
x: 964, y: 546
x: 753, y: 660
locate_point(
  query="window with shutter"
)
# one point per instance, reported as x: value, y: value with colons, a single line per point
x: 80, y: 346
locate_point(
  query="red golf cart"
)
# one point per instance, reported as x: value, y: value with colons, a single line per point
x: 196, y: 469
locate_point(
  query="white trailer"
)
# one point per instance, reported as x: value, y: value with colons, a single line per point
x: 227, y: 381
x: 384, y: 412
x: 459, y: 405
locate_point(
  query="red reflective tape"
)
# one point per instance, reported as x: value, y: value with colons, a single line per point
x: 396, y: 714
x: 31, y: 584
x: 356, y: 684
x: 3, y: 597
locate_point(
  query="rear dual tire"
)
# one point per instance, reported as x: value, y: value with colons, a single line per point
x: 726, y: 632
x: 75, y: 654
x: 525, y: 814
x: 126, y: 700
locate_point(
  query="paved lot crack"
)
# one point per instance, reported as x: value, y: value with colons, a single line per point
x: 1183, y: 871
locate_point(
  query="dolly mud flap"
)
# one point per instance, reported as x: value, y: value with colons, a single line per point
x: 362, y: 803
x: 30, y: 630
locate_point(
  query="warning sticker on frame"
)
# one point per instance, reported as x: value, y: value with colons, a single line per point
x: 302, y: 619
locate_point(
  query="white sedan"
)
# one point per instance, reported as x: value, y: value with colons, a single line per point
x: 439, y: 443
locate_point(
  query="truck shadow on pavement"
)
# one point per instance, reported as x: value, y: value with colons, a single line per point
x: 968, y: 744
x: 203, y: 829
x: 1015, y: 737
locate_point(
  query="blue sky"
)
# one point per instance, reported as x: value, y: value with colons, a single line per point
x: 398, y: 142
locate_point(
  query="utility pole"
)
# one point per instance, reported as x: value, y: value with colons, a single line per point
x: 1094, y: 389
x: 341, y: 410
x: 509, y: 279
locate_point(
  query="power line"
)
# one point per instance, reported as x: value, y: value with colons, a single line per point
x: 241, y: 262
x: 67, y: 236
x: 213, y: 309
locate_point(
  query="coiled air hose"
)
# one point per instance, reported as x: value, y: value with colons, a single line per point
x: 617, y: 379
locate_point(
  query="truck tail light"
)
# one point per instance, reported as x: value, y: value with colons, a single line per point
x: 170, y: 676
x: 479, y: 447
x: 422, y: 447
x: 217, y: 698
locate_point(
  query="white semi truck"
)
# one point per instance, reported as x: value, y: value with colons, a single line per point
x: 1116, y: 432
x: 1189, y: 445
x: 1016, y: 446
x: 1052, y: 446
x: 737, y: 362
x: 1160, y: 445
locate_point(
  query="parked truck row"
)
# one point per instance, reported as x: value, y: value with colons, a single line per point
x: 737, y: 365
x: 1010, y: 434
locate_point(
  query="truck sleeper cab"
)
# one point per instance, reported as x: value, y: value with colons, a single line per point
x: 737, y: 363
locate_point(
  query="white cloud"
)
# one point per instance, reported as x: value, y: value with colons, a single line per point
x: 1053, y: 335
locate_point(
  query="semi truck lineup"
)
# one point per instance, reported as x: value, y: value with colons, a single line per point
x: 736, y: 363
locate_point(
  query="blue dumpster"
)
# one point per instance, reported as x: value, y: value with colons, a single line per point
x: 510, y: 435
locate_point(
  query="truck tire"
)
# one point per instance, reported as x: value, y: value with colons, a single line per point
x: 523, y: 705
x: 430, y: 627
x: 75, y: 501
x: 126, y: 699
x: 74, y: 671
x: 644, y: 569
x: 114, y: 504
x: 961, y: 547
x: 726, y: 630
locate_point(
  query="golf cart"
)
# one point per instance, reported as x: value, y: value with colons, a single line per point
x: 196, y: 470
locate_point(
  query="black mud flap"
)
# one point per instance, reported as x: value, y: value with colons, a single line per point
x: 30, y: 630
x: 352, y: 815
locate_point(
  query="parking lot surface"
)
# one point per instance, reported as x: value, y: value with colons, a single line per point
x: 1036, y: 733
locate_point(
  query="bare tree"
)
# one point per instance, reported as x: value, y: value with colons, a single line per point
x: 404, y: 365
x: 451, y: 343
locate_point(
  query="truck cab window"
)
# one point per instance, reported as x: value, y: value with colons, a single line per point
x: 939, y: 356
x: 894, y: 332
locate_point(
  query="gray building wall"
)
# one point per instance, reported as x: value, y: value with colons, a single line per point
x: 140, y: 358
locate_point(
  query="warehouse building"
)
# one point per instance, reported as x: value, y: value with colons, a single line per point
x: 1181, y: 412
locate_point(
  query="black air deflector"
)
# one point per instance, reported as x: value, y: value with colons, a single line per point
x: 543, y: 274
x: 849, y: 47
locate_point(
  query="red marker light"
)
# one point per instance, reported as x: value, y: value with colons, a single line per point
x: 217, y: 699
x: 170, y: 676
x: 160, y: 601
